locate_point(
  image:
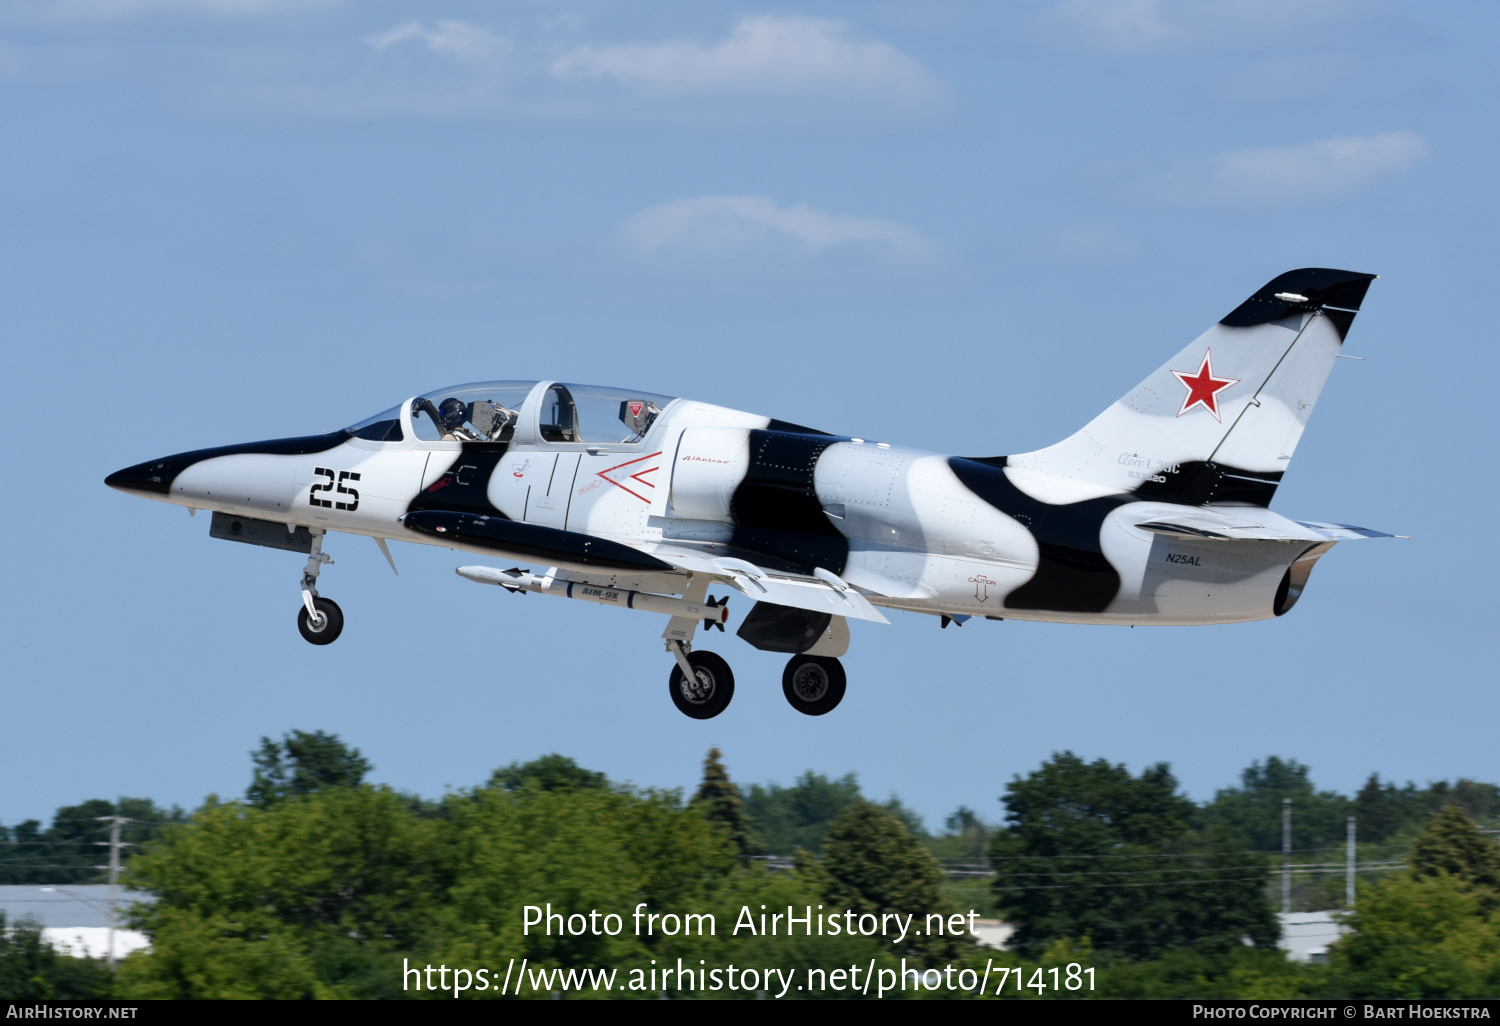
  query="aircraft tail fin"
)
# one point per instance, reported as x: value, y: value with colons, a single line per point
x: 1219, y: 421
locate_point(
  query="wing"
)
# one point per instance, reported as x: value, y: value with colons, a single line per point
x: 825, y: 592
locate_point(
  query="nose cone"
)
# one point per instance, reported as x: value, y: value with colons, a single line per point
x: 156, y: 476
x: 151, y: 478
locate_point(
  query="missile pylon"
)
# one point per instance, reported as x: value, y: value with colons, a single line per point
x: 522, y: 581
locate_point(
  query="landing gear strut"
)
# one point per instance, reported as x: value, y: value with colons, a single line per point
x: 814, y: 685
x: 701, y: 683
x: 320, y: 620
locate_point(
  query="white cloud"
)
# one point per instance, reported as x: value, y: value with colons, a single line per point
x: 1154, y: 26
x: 763, y: 56
x: 457, y: 39
x: 747, y: 230
x: 509, y: 63
x: 1286, y: 176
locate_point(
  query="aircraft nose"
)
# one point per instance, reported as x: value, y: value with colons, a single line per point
x: 151, y: 478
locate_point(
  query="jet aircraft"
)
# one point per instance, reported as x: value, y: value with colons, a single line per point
x: 1156, y: 512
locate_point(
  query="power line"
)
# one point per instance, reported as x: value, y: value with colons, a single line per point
x: 1301, y: 869
x: 1286, y: 855
x: 1154, y: 883
x: 1158, y: 883
x: 54, y: 901
x: 50, y: 865
x: 62, y: 843
x: 115, y: 844
x: 89, y: 819
x: 1172, y: 855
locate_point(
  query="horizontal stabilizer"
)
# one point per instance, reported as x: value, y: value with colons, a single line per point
x: 1346, y: 532
x: 1223, y: 527
x: 1250, y: 525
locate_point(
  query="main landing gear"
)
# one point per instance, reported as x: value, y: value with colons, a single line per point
x: 814, y: 685
x: 701, y: 684
x: 320, y: 620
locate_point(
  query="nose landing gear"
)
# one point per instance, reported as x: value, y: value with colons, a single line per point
x: 320, y: 620
x: 323, y: 624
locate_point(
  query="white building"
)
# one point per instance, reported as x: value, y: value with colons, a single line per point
x: 1306, y: 936
x: 993, y: 933
x: 75, y: 917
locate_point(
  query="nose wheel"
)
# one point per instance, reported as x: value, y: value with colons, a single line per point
x: 814, y: 685
x: 320, y: 621
x: 707, y: 691
x: 324, y: 624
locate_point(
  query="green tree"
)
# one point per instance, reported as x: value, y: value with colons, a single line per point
x: 907, y: 816
x: 1252, y: 812
x: 720, y: 801
x: 310, y: 897
x: 746, y: 890
x: 1384, y: 810
x: 1238, y: 971
x: 1479, y: 801
x: 549, y: 773
x: 783, y: 819
x: 302, y: 763
x: 68, y: 851
x: 1090, y: 851
x: 1453, y: 845
x: 32, y: 970
x: 337, y: 892
x: 1433, y: 932
x: 573, y: 849
x: 872, y: 863
x: 1418, y: 936
x: 966, y: 836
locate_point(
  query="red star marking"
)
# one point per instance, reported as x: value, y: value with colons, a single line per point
x: 639, y: 477
x: 1203, y: 388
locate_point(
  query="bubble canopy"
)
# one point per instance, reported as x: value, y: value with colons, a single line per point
x: 483, y: 411
x: 599, y: 415
x: 487, y: 411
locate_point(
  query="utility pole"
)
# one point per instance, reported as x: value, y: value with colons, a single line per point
x: 115, y: 844
x: 1349, y: 873
x: 1286, y: 855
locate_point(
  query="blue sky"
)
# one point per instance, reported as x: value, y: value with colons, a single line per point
x: 962, y: 226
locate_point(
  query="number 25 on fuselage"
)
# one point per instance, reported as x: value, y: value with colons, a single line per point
x: 1156, y: 512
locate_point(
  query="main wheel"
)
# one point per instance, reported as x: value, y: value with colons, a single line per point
x: 708, y: 694
x: 325, y: 630
x: 813, y: 684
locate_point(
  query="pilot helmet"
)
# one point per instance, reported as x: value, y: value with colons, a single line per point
x: 453, y: 413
